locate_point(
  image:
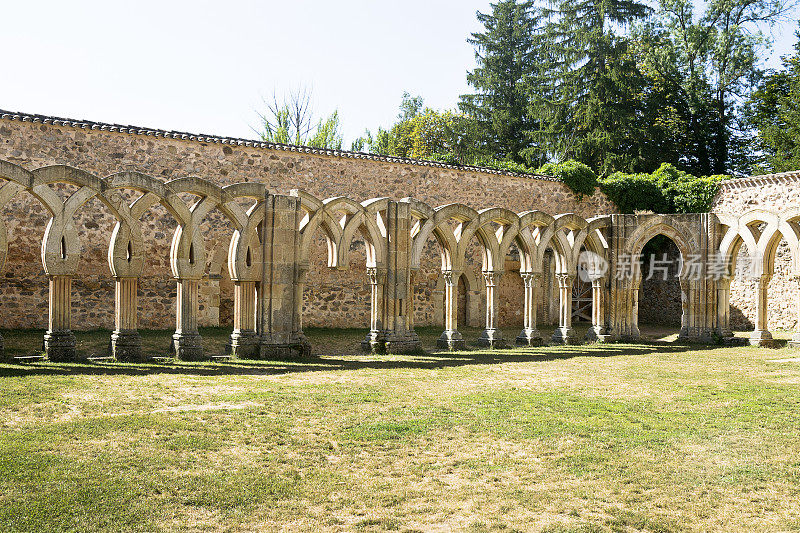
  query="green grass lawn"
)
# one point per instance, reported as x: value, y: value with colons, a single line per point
x: 650, y: 437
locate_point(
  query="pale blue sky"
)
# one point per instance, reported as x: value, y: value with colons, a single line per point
x: 203, y: 66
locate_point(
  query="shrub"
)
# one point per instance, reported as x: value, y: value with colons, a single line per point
x: 634, y: 192
x: 667, y: 190
x: 577, y: 176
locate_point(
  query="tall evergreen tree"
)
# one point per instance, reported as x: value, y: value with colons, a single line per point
x: 590, y: 109
x: 504, y: 54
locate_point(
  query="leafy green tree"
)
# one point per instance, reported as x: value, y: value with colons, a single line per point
x: 774, y: 111
x: 328, y: 133
x: 708, y: 65
x: 291, y: 122
x: 504, y: 54
x: 424, y: 133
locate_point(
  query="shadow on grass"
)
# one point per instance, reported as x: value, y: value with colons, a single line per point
x: 316, y: 363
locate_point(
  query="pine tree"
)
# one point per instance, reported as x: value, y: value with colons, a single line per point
x: 504, y: 54
x: 590, y: 107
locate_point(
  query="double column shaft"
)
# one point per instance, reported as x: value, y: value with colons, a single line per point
x: 491, y: 336
x: 564, y: 333
x: 530, y: 336
x: 450, y: 338
x: 59, y: 340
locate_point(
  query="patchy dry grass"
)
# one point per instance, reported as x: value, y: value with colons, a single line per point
x: 594, y: 438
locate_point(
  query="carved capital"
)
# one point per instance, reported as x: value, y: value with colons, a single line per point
x: 565, y: 280
x: 491, y: 278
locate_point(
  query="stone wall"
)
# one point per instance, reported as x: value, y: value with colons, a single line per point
x: 778, y: 192
x: 333, y: 298
x: 660, y: 295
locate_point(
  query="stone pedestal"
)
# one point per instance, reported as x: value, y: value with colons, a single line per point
x: 298, y: 349
x: 59, y: 341
x: 127, y: 346
x: 187, y: 343
x: 60, y: 346
x: 374, y: 342
x: 794, y: 343
x: 126, y: 343
x: 451, y: 339
x: 762, y: 338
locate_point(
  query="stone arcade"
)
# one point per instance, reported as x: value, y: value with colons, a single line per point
x: 269, y: 250
x: 507, y: 261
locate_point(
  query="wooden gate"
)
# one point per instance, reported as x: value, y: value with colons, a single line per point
x: 581, y: 299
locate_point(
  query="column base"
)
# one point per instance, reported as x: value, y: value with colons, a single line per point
x: 293, y: 350
x: 492, y: 338
x: 188, y: 347
x: 126, y: 346
x: 374, y: 342
x: 794, y: 343
x: 564, y: 335
x: 597, y: 334
x: 529, y: 337
x: 60, y: 346
x: 762, y: 338
x: 451, y: 340
x: 243, y: 345
x: 404, y: 344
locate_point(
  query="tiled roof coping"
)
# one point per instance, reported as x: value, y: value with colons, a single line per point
x: 758, y: 181
x: 250, y: 143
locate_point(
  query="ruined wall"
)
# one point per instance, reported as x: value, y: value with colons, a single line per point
x: 777, y: 193
x: 333, y: 298
x: 660, y: 295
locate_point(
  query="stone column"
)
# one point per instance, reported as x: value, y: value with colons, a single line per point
x: 244, y: 339
x: 376, y: 337
x: 686, y: 313
x: 724, y: 307
x: 761, y: 335
x: 398, y: 306
x: 530, y: 336
x: 280, y: 298
x: 635, y: 333
x: 126, y: 344
x: 186, y: 342
x: 598, y: 332
x: 450, y: 338
x: 491, y: 336
x: 564, y: 334
x: 59, y: 341
x: 795, y: 342
x: 299, y: 291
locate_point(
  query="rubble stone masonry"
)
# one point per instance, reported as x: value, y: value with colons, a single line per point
x: 334, y: 298
x: 778, y: 193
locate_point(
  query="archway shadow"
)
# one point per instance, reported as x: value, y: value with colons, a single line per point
x: 430, y: 361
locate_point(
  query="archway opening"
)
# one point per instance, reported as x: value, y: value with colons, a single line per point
x: 660, y: 306
x: 462, y: 300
